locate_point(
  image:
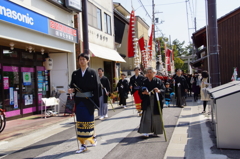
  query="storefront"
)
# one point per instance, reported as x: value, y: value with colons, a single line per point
x: 27, y: 38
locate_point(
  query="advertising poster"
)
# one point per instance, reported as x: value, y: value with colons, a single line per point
x: 11, y: 96
x: 28, y: 99
x: 27, y: 78
x: 15, y: 100
x: 5, y: 82
x: 40, y: 87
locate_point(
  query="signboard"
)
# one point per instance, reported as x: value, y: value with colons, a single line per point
x: 5, y: 82
x: 27, y: 78
x: 74, y: 5
x: 18, y: 15
x: 62, y: 31
x: 13, y: 13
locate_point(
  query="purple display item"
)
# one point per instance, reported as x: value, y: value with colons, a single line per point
x: 10, y: 69
x: 40, y: 68
x: 12, y: 113
x: 27, y: 69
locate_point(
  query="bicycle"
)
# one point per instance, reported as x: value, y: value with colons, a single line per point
x: 2, y: 120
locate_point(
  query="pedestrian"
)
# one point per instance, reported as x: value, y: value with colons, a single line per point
x: 189, y: 76
x: 168, y: 94
x: 195, y: 86
x: 85, y: 84
x: 135, y: 84
x: 180, y: 88
x: 150, y: 120
x: 105, y: 89
x: 204, y: 86
x: 123, y: 89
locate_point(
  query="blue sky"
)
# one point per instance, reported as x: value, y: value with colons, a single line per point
x: 175, y: 15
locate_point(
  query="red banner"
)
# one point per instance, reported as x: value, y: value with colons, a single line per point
x: 150, y: 43
x: 131, y: 34
x: 143, y: 53
x: 168, y: 59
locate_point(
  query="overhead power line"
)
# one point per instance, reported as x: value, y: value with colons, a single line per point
x: 157, y: 29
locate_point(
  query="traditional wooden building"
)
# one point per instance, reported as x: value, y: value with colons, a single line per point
x: 229, y: 46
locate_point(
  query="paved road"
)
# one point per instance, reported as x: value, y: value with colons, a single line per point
x: 117, y: 138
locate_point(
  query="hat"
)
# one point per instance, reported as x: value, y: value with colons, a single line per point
x: 167, y: 83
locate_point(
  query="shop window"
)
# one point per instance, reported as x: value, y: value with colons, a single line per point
x: 11, y: 88
x: 27, y: 56
x: 107, y: 21
x: 1, y: 88
x: 10, y: 53
x: 94, y: 16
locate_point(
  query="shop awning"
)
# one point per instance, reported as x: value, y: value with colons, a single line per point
x: 105, y: 53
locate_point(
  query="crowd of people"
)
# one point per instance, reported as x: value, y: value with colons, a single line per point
x: 150, y: 92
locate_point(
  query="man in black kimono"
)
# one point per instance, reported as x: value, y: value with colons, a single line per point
x: 85, y: 83
x: 123, y: 89
x: 150, y: 121
x: 135, y: 84
x: 105, y: 89
x: 181, y: 88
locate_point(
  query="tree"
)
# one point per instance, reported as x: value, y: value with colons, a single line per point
x: 178, y: 62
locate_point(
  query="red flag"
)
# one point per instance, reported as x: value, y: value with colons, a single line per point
x: 167, y: 59
x: 131, y: 34
x: 142, y: 48
x: 150, y: 43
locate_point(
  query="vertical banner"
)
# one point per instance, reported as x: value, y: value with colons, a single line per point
x: 150, y: 43
x: 131, y: 34
x: 5, y: 82
x: 15, y: 100
x: 11, y: 96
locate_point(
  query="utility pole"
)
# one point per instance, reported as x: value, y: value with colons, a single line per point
x: 212, y: 37
x: 85, y: 26
x: 195, y: 24
x: 153, y: 20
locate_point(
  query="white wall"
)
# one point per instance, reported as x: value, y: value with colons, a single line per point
x: 59, y: 75
x: 107, y: 7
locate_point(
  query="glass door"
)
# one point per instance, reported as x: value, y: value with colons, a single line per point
x: 28, y: 90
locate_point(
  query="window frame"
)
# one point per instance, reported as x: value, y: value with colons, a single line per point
x: 108, y: 23
x: 93, y: 16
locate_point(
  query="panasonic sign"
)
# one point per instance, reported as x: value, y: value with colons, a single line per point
x: 15, y: 15
x: 18, y: 15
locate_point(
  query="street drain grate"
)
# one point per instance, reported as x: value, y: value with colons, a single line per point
x: 183, y: 124
x: 189, y: 100
x: 186, y: 108
x: 176, y: 158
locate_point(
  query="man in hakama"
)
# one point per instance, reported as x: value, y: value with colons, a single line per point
x: 105, y: 89
x: 150, y: 121
x: 123, y: 89
x: 135, y: 84
x: 85, y: 83
x: 181, y: 88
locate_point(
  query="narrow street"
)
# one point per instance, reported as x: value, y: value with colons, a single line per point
x: 117, y: 138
